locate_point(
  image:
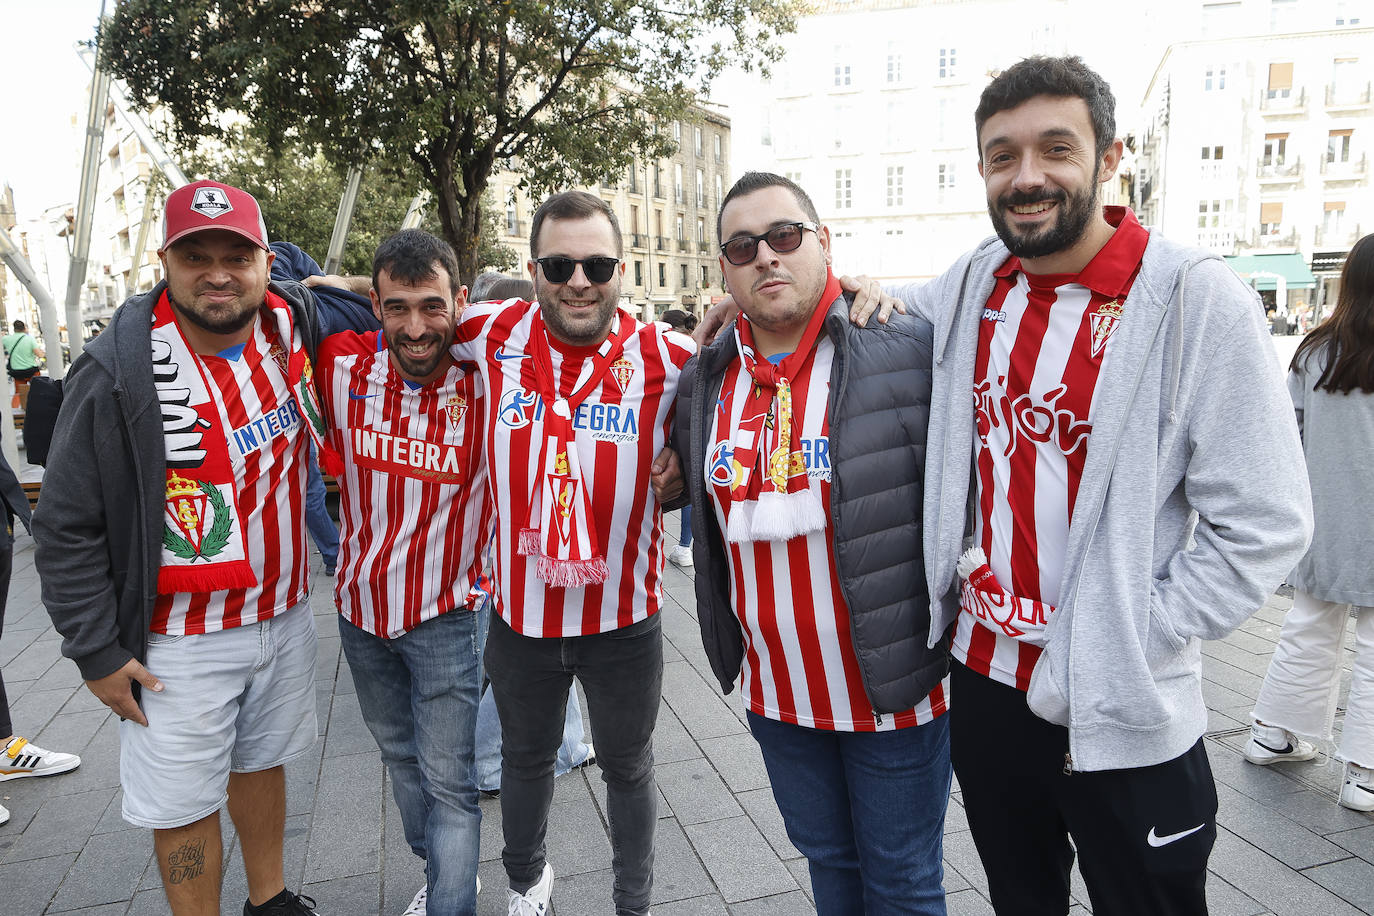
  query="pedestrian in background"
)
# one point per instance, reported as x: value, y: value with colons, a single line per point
x: 1331, y: 380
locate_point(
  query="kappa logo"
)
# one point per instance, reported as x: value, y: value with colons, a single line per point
x: 210, y: 202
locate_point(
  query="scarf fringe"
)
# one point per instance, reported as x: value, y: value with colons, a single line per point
x: 973, y: 566
x: 527, y: 544
x: 560, y: 573
x: 778, y: 517
x: 221, y: 576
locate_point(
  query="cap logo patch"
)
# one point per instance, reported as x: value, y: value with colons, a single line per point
x: 210, y: 202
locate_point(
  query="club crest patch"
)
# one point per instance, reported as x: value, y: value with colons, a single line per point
x: 210, y: 202
x: 1104, y: 322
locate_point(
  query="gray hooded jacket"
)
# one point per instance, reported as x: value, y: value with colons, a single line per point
x: 1192, y: 508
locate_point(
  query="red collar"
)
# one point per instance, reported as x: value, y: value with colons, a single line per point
x: 1112, y: 269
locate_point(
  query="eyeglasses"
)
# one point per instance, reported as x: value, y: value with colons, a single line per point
x: 560, y: 270
x: 741, y: 249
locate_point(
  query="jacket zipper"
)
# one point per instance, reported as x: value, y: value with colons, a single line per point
x: 1068, y: 764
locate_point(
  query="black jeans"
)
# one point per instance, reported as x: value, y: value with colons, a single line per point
x: 1143, y: 834
x: 6, y: 565
x: 622, y: 675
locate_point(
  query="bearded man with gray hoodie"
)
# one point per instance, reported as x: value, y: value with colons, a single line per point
x: 1107, y: 421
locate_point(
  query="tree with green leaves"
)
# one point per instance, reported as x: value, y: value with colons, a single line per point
x: 560, y: 91
x: 299, y: 192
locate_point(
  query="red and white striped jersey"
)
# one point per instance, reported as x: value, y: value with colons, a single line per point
x: 619, y: 429
x: 799, y: 660
x: 269, y: 453
x: 1041, y: 346
x: 413, y: 495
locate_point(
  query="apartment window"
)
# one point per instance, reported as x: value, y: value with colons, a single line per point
x: 1346, y: 85
x: 662, y: 275
x: 1214, y: 78
x: 844, y: 189
x: 942, y: 120
x: 658, y: 180
x: 634, y: 218
x: 1338, y: 146
x: 898, y: 126
x: 719, y: 147
x: 1209, y: 213
x: 1212, y: 161
x: 702, y: 237
x: 844, y: 122
x: 794, y: 177
x: 1283, y: 15
x: 894, y: 185
x: 720, y: 190
x: 1271, y: 218
x: 639, y: 273
x: 1280, y: 80
x: 1333, y: 217
x: 1346, y: 12
x: 1275, y: 149
x: 894, y: 63
x: 945, y: 176
x: 844, y: 74
x: 512, y: 216
x: 1216, y: 17
x: 947, y: 63
x: 701, y: 188
x: 705, y: 276
x: 677, y: 181
x: 679, y: 226
x: 677, y: 133
x: 683, y: 285
x: 701, y: 150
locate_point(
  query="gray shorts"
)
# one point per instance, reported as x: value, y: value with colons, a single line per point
x: 239, y: 700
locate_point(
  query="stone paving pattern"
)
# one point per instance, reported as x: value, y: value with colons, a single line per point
x: 1284, y: 846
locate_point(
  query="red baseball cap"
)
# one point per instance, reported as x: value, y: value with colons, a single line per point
x: 211, y: 205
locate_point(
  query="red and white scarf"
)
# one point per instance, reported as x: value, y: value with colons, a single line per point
x: 773, y: 497
x: 995, y: 607
x: 204, y: 544
x: 560, y: 532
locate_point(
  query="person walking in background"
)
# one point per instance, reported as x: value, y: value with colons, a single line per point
x: 22, y: 354
x: 18, y: 758
x: 1331, y: 380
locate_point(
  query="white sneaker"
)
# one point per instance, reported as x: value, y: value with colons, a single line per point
x: 1358, y: 791
x: 20, y: 758
x: 4, y: 815
x: 1271, y: 744
x: 535, y: 901
x: 680, y: 556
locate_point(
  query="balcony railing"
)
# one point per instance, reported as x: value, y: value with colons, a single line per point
x: 515, y: 227
x: 1222, y: 241
x: 1279, y: 169
x: 703, y: 246
x: 683, y: 245
x: 639, y: 240
x: 1280, y: 239
x: 1295, y: 102
x: 661, y: 242
x: 1348, y: 169
x: 1340, y: 237
x: 1347, y: 96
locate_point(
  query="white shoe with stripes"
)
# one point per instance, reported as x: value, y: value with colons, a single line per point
x: 4, y: 815
x: 20, y: 758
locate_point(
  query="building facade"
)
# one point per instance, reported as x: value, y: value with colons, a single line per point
x: 667, y: 210
x: 1258, y: 143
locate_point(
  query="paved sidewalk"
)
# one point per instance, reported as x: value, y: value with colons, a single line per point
x: 1284, y: 847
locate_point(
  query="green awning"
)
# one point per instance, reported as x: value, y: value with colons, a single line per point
x: 1260, y: 270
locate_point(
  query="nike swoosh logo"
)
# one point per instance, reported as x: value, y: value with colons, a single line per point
x: 1155, y: 840
x: 502, y: 354
x: 353, y: 396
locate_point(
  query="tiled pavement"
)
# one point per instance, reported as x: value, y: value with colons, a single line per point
x: 1284, y: 847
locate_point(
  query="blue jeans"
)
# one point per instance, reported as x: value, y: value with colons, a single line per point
x: 573, y: 752
x: 622, y: 674
x: 317, y: 518
x: 867, y: 809
x: 418, y: 694
x: 685, y: 534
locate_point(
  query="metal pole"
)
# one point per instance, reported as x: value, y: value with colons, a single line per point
x: 145, y: 225
x: 85, y: 215
x: 162, y: 160
x: 415, y: 214
x: 342, y: 219
x: 47, y: 309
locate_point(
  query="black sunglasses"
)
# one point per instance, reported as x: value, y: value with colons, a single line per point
x: 560, y: 270
x: 741, y: 249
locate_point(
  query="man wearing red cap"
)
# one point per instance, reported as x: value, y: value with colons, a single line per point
x: 171, y: 544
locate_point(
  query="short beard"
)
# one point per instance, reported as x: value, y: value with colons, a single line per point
x: 412, y: 368
x: 1074, y: 213
x: 228, y: 326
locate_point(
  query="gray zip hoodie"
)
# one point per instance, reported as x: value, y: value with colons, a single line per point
x: 1192, y: 507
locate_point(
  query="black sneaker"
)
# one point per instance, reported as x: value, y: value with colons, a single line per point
x: 284, y: 904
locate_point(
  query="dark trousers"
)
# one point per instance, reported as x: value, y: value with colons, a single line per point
x: 622, y: 675
x: 6, y: 565
x: 1143, y: 835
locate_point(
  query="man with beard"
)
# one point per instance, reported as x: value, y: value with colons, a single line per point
x: 171, y: 544
x: 1110, y: 414
x: 580, y: 396
x: 405, y: 424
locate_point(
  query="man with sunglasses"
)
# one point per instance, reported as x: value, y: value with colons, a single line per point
x: 580, y: 396
x: 804, y: 438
